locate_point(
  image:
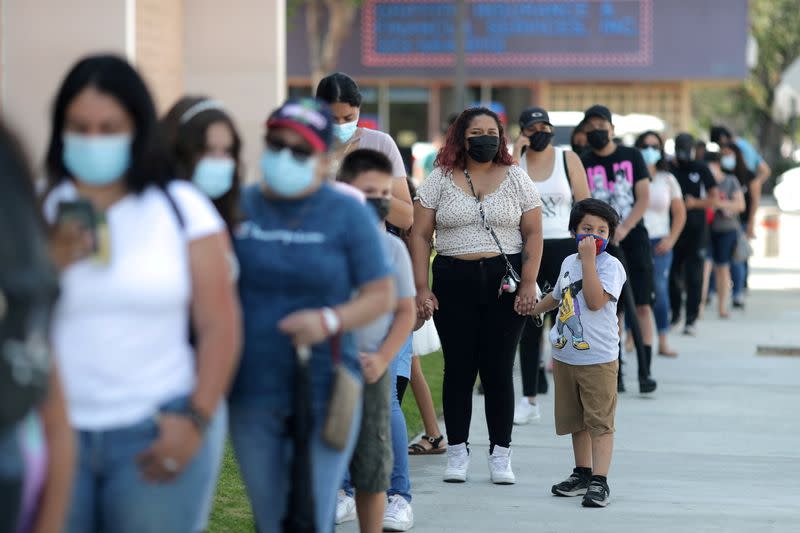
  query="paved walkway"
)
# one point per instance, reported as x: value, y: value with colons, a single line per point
x: 716, y: 449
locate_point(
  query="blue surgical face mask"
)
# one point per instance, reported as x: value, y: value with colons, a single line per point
x: 728, y: 162
x: 345, y: 132
x: 214, y: 175
x: 651, y: 155
x: 284, y: 174
x: 97, y: 159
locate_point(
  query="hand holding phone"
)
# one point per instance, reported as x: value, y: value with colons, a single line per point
x: 73, y: 236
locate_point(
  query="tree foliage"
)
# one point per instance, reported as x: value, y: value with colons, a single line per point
x: 328, y: 23
x: 775, y: 26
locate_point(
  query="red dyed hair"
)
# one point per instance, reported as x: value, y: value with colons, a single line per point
x: 454, y: 155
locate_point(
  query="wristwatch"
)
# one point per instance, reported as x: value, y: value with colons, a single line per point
x: 331, y: 321
x: 198, y: 419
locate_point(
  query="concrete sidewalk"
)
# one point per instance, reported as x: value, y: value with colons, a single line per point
x: 717, y: 448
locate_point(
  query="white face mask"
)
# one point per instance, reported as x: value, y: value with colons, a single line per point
x: 728, y: 162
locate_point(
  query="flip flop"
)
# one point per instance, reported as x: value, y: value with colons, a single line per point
x: 435, y: 449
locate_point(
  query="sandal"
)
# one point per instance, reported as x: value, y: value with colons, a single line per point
x: 436, y: 446
x: 667, y: 353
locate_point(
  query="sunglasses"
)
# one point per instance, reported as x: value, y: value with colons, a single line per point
x: 301, y: 153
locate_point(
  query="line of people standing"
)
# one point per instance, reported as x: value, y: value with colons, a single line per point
x: 191, y: 308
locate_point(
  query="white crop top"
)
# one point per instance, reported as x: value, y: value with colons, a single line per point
x: 556, y: 193
x: 459, y: 229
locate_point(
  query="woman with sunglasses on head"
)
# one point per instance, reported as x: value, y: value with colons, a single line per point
x: 312, y: 270
x: 343, y: 96
x: 140, y: 394
x: 205, y: 148
x: 486, y: 213
x: 664, y: 220
x: 561, y: 180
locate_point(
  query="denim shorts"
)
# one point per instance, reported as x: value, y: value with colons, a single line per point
x: 723, y: 243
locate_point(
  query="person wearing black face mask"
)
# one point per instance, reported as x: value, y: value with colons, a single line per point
x: 696, y: 182
x: 561, y: 180
x: 618, y: 175
x: 477, y: 309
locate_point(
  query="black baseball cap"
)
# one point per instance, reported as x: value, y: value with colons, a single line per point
x: 598, y: 110
x: 309, y: 117
x: 532, y: 116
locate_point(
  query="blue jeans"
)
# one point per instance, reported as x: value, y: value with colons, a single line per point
x: 739, y: 272
x: 401, y: 479
x: 216, y: 434
x: 661, y: 307
x: 263, y: 446
x: 110, y: 494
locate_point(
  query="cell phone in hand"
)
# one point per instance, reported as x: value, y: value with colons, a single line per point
x: 83, y: 213
x: 80, y: 212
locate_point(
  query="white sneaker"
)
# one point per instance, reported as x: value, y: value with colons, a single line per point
x: 500, y: 466
x: 457, y: 463
x: 345, y: 508
x: 526, y: 412
x: 398, y: 515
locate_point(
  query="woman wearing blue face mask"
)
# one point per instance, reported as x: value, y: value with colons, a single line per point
x: 140, y: 395
x: 664, y: 220
x: 205, y: 147
x: 312, y: 271
x: 343, y: 96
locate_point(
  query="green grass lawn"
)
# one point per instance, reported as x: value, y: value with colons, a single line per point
x: 231, y: 512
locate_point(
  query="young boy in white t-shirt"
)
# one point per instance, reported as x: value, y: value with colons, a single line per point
x: 585, y: 342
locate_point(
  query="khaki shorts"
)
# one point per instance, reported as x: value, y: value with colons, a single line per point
x: 372, y: 462
x: 586, y: 397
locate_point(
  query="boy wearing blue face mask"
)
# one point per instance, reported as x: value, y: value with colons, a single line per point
x: 585, y: 339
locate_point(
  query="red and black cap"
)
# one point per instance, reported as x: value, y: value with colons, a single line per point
x: 309, y: 117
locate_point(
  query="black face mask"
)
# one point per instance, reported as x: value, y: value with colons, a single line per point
x: 381, y: 206
x: 597, y: 139
x: 540, y: 140
x: 683, y: 156
x: 483, y: 148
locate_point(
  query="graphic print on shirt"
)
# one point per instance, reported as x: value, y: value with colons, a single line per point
x: 569, y: 315
x: 617, y: 192
x: 552, y: 205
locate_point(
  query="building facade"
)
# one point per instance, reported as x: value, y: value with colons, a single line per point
x: 636, y: 56
x: 233, y: 51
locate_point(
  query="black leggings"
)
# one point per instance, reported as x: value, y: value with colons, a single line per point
x: 479, y: 334
x: 530, y: 352
x: 688, y: 258
x: 402, y: 385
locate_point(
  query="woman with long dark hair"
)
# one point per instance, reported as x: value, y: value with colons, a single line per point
x: 205, y: 147
x: 486, y: 213
x: 664, y: 221
x: 140, y: 394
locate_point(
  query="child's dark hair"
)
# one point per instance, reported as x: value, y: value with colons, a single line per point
x: 360, y: 161
x: 598, y: 208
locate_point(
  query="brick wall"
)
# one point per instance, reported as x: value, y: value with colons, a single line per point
x: 159, y: 48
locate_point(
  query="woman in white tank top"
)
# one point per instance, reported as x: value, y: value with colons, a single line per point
x: 561, y: 180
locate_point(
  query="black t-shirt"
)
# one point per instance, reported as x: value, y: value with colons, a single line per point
x: 696, y: 180
x: 613, y: 178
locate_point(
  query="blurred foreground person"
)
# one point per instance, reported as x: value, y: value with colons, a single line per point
x: 312, y: 270
x: 36, y: 443
x: 150, y: 260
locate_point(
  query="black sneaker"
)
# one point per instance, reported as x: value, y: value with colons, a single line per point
x: 597, y: 494
x: 575, y: 485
